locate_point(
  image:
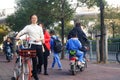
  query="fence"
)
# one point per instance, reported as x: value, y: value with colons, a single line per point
x: 112, y: 49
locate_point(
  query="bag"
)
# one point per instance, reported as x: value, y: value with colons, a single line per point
x: 57, y: 45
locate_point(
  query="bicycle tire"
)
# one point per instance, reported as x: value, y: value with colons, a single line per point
x: 118, y: 56
x: 17, y: 70
x: 26, y: 75
x: 73, y: 69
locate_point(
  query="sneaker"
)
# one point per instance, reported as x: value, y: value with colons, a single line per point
x: 83, y: 62
x: 60, y: 69
x: 79, y: 63
x: 35, y: 77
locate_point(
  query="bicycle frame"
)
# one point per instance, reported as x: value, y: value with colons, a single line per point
x: 23, y: 69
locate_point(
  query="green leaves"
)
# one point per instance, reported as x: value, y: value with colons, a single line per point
x: 48, y: 11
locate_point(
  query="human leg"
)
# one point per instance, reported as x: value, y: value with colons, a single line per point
x: 58, y: 61
x: 45, y: 64
x: 54, y: 60
x: 34, y: 63
x: 34, y: 71
x: 80, y: 56
x: 40, y: 57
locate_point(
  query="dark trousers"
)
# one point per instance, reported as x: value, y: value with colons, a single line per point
x: 35, y: 62
x: 45, y: 63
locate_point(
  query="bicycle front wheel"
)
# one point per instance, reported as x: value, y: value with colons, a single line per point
x: 26, y: 75
x: 118, y: 56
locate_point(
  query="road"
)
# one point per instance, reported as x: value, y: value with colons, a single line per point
x: 110, y: 71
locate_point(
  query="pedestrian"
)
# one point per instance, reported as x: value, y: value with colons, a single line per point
x: 36, y: 39
x: 56, y: 58
x: 8, y: 48
x: 81, y: 36
x: 46, y: 53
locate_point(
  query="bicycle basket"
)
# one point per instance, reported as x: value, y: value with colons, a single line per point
x: 27, y: 53
x: 72, y: 52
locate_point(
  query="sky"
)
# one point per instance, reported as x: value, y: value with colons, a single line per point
x: 11, y: 3
x: 7, y: 4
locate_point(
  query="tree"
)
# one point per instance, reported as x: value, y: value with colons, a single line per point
x: 48, y: 11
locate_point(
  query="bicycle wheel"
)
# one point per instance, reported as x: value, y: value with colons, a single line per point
x: 26, y: 75
x: 118, y: 56
x: 17, y: 70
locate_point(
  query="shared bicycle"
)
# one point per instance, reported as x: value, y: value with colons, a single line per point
x: 23, y: 64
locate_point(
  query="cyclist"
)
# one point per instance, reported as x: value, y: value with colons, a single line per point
x: 36, y: 39
x: 81, y: 37
x: 7, y: 46
x: 74, y: 44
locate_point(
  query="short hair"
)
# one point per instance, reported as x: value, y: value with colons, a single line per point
x: 74, y: 34
x: 78, y: 24
x: 52, y: 32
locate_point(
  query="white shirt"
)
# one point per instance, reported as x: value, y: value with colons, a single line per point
x: 35, y: 32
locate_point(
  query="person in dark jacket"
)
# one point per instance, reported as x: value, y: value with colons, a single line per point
x: 81, y: 36
x: 8, y: 45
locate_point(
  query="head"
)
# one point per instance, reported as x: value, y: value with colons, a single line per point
x: 77, y: 24
x: 52, y: 32
x: 41, y: 24
x: 8, y: 39
x: 74, y: 35
x: 34, y: 19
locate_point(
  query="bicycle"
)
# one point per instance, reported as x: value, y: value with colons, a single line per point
x: 23, y: 66
x: 74, y: 66
x: 118, y: 56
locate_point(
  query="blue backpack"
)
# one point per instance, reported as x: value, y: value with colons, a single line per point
x: 57, y: 45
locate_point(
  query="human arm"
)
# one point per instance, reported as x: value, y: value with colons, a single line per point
x: 23, y: 31
x: 46, y: 37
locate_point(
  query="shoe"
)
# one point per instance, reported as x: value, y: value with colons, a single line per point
x: 82, y: 65
x: 35, y: 77
x: 79, y: 63
x: 45, y: 73
x: 39, y: 71
x: 83, y: 62
x: 60, y: 69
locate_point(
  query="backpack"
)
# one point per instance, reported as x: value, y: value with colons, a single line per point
x: 57, y: 45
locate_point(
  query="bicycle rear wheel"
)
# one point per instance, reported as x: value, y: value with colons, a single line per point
x: 118, y: 56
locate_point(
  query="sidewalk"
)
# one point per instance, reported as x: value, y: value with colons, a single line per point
x: 110, y: 71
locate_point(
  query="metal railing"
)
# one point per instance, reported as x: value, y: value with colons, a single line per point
x: 112, y: 49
